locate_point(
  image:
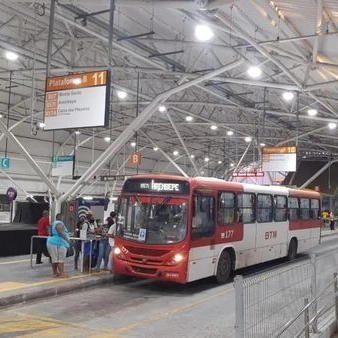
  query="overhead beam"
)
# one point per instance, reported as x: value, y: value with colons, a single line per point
x: 28, y: 158
x: 182, y: 142
x: 138, y: 122
x: 166, y: 156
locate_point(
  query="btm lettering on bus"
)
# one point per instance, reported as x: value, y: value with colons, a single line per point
x: 270, y: 234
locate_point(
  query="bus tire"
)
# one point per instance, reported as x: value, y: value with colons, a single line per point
x: 292, y: 251
x: 224, y: 267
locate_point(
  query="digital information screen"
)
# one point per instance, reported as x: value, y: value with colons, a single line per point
x: 77, y: 101
x: 156, y: 186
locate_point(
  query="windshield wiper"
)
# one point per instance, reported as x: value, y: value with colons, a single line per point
x: 162, y: 204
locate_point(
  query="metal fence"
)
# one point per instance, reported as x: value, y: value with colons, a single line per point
x: 266, y: 302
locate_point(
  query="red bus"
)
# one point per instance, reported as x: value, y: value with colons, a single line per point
x: 181, y: 229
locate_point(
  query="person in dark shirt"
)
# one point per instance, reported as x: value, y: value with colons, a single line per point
x: 43, y: 230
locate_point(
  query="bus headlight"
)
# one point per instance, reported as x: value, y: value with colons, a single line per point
x: 176, y: 259
x: 119, y: 253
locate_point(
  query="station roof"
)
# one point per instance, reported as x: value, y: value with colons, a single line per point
x: 155, y: 52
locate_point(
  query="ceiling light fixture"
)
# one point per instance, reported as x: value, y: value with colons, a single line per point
x: 175, y: 152
x: 77, y: 132
x: 213, y: 127
x: 230, y: 132
x: 248, y: 139
x: 41, y: 125
x: 107, y: 138
x: 203, y: 33
x: 312, y: 112
x: 332, y: 125
x: 206, y: 159
x: 162, y: 108
x: 189, y: 118
x: 121, y: 94
x: 262, y: 144
x: 192, y: 156
x: 77, y: 81
x: 288, y: 96
x: 11, y: 56
x: 219, y: 162
x: 133, y: 144
x: 155, y: 148
x: 254, y: 72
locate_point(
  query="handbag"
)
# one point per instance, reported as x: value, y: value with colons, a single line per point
x: 70, y: 251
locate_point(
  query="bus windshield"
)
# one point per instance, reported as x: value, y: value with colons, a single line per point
x: 152, y: 220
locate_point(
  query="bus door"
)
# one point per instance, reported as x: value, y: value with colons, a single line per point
x: 246, y: 210
x: 202, y: 241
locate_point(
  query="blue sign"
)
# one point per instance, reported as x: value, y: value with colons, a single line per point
x: 5, y: 162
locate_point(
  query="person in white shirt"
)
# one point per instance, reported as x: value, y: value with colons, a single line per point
x: 90, y: 226
x: 111, y: 236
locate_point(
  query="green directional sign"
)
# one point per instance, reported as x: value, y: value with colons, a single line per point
x: 62, y: 165
x: 62, y: 158
x: 5, y: 162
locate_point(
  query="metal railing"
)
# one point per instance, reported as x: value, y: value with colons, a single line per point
x: 91, y: 240
x: 264, y: 303
x: 308, y: 323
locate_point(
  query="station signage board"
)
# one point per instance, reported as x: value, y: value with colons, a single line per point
x: 279, y: 158
x: 77, y: 100
x: 62, y: 166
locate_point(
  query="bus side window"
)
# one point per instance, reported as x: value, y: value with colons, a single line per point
x: 203, y: 217
x: 246, y: 203
x: 226, y: 208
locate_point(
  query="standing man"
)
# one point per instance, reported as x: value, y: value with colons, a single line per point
x: 90, y: 226
x: 43, y: 230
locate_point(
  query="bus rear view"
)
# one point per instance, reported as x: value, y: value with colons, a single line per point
x: 152, y: 229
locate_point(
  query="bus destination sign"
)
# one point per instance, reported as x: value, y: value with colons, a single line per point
x: 156, y: 186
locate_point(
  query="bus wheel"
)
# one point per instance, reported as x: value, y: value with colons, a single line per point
x: 223, y: 267
x: 292, y: 252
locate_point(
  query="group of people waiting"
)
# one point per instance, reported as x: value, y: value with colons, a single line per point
x: 55, y: 246
x: 96, y: 251
x: 328, y: 217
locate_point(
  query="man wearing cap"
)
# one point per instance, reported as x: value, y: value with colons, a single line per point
x: 90, y: 226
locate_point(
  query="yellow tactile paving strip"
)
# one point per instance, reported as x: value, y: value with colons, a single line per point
x: 27, y: 326
x: 10, y: 286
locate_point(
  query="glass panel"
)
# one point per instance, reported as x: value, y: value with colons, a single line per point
x: 293, y: 208
x: 304, y: 208
x: 246, y: 207
x: 280, y: 208
x: 264, y: 208
x: 203, y: 218
x: 226, y: 211
x: 160, y: 221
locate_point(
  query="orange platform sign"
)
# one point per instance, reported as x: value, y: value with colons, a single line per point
x: 135, y: 159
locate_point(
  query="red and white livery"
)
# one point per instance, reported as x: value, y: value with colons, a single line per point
x: 182, y: 229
